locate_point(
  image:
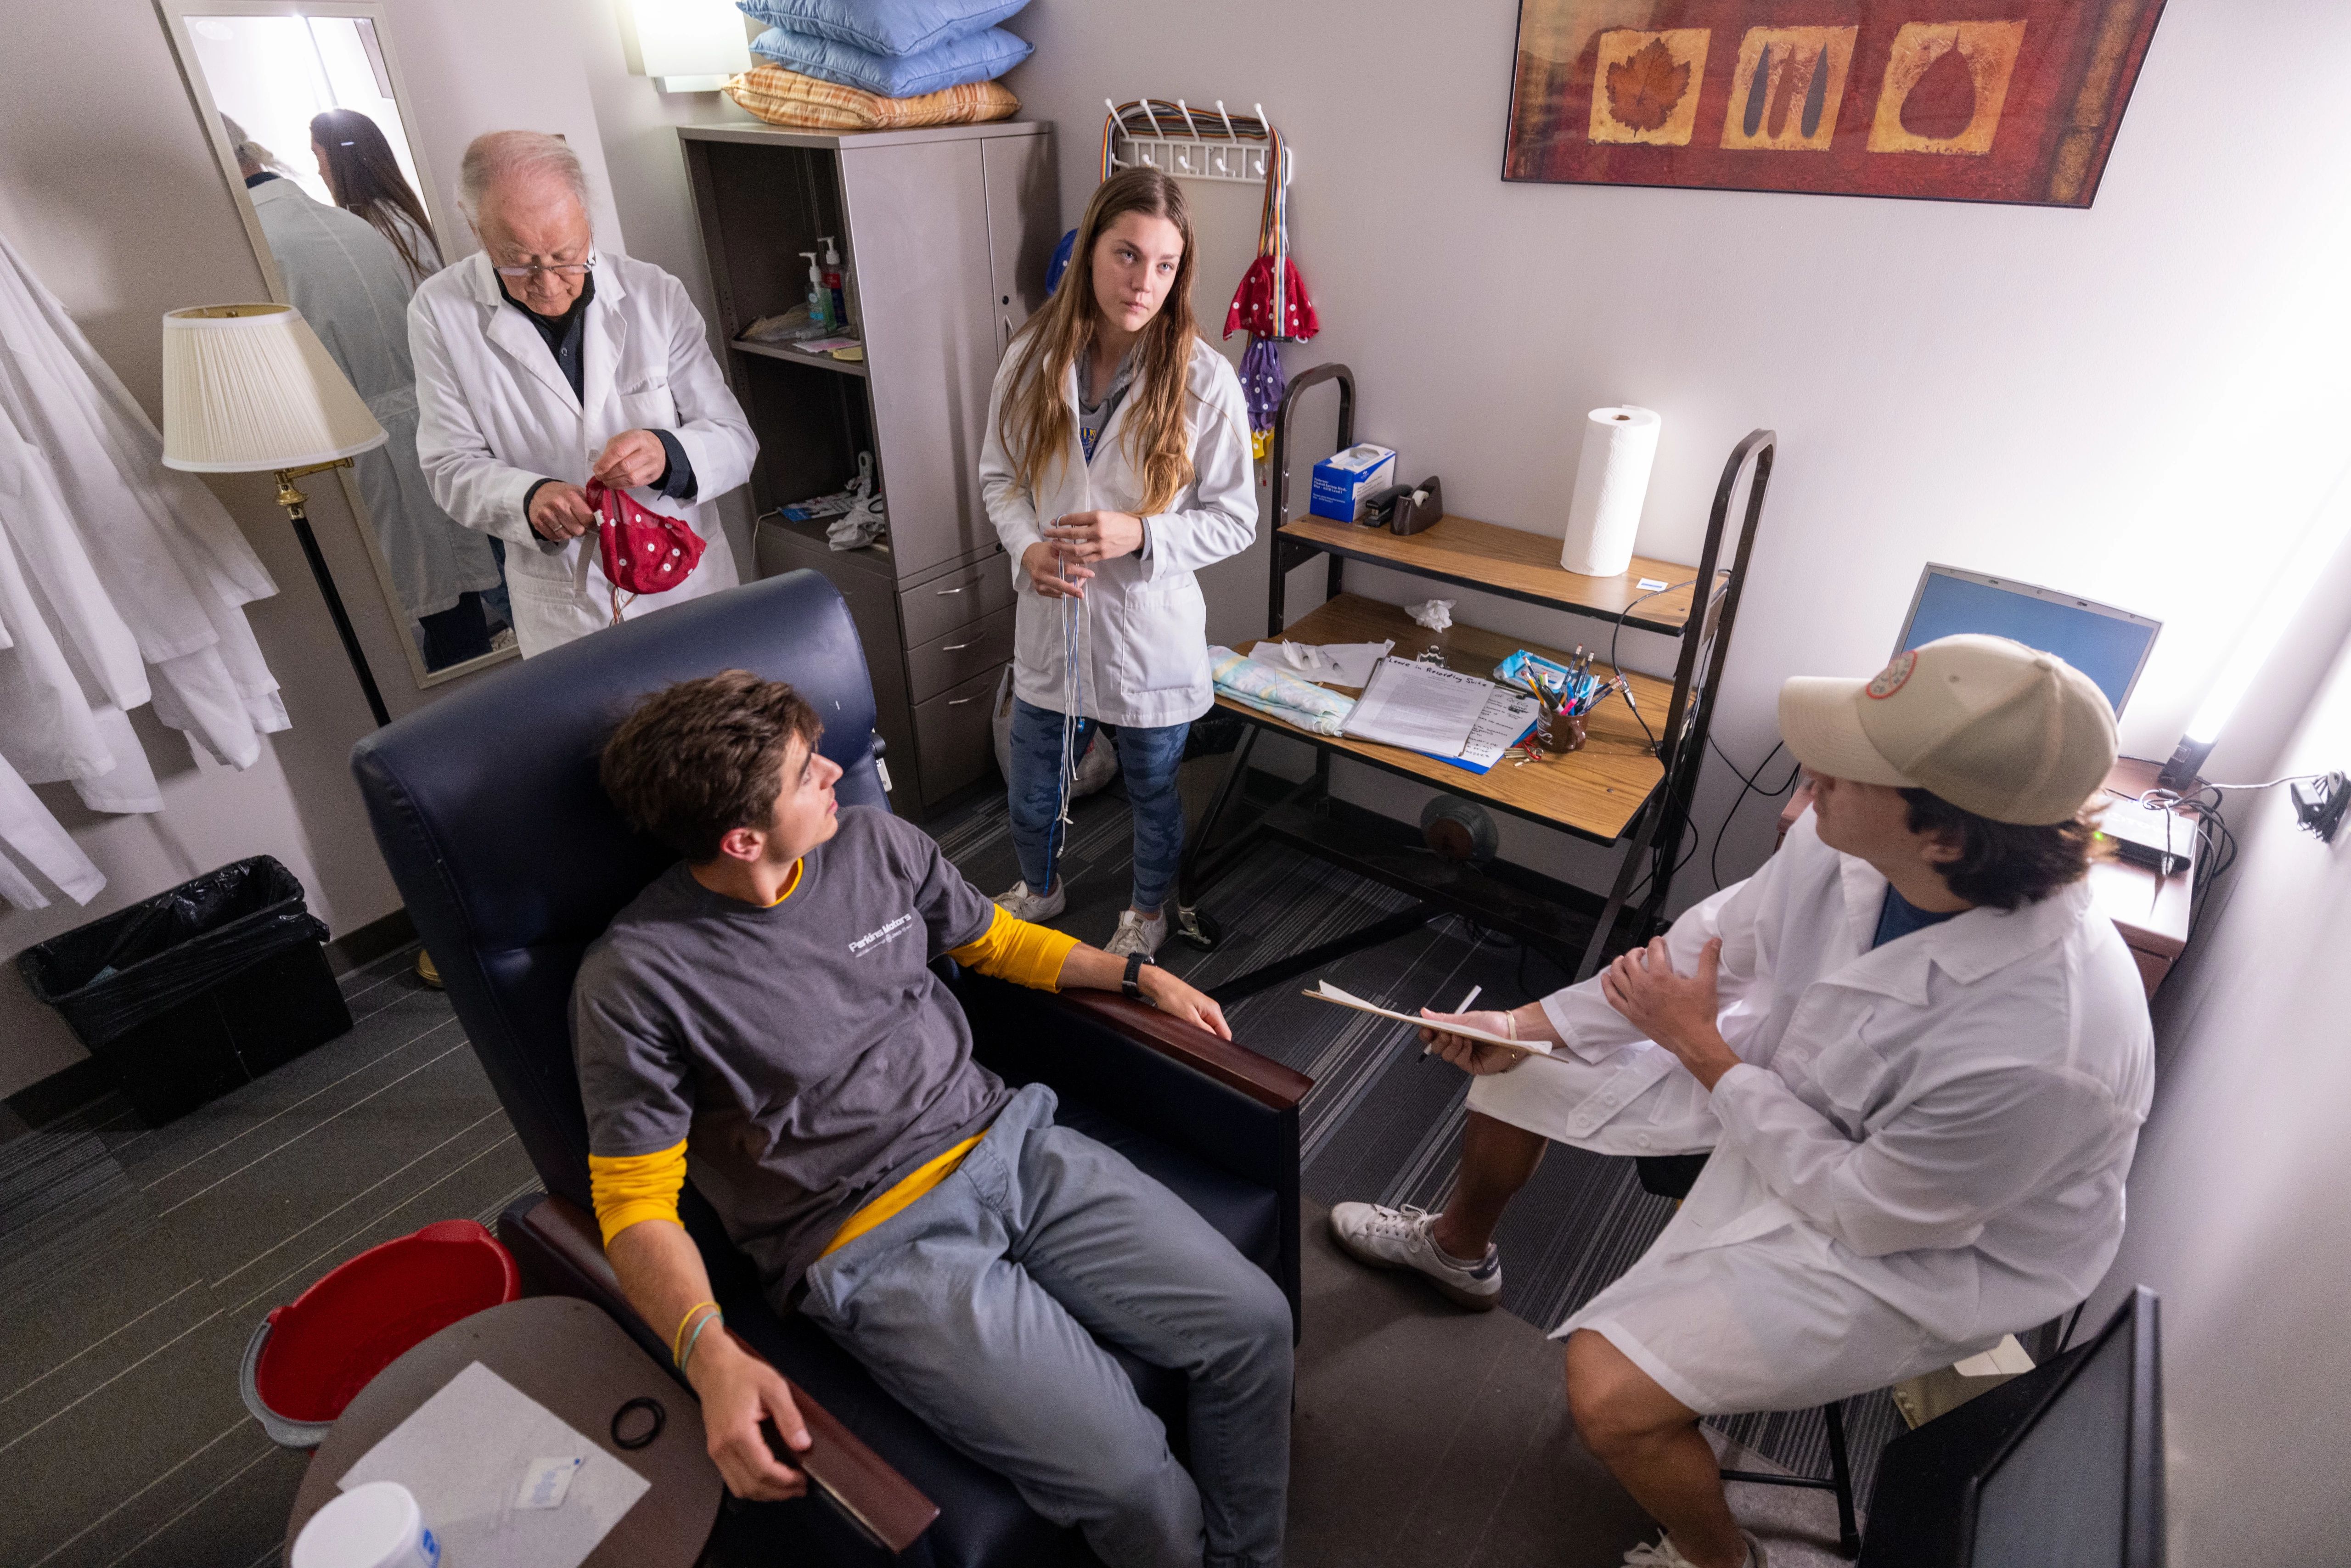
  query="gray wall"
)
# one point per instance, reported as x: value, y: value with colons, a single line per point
x: 2092, y: 399
x: 114, y: 199
x: 2236, y: 1210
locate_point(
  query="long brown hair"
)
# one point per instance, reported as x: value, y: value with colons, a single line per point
x: 1035, y: 423
x: 364, y: 178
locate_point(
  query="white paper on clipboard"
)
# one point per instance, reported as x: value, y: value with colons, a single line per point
x: 1331, y: 993
x: 1421, y: 707
x: 1506, y: 722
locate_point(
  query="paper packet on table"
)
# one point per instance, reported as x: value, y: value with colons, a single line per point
x: 1275, y: 692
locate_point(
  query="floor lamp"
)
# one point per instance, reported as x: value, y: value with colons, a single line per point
x: 249, y: 389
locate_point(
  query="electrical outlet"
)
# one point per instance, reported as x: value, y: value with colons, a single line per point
x: 2319, y: 804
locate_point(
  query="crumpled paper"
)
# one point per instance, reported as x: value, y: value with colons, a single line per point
x: 1437, y: 614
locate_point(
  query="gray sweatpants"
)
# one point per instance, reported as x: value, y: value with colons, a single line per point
x: 979, y: 1307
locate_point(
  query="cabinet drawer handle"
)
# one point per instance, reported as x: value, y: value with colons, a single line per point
x: 943, y: 592
x: 957, y: 647
x: 959, y: 702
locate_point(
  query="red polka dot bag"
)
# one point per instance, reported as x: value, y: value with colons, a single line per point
x: 645, y: 551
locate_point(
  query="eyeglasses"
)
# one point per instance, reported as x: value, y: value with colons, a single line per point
x: 559, y: 268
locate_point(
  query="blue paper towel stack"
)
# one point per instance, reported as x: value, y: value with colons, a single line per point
x: 897, y: 48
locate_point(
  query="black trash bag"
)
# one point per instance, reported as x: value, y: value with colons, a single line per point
x: 1213, y: 734
x: 185, y: 995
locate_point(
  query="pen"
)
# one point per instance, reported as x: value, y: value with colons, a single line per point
x: 1460, y: 1006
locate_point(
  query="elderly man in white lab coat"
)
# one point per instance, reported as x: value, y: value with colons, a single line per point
x: 1919, y: 1053
x: 540, y: 365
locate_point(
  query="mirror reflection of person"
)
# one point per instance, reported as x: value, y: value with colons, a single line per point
x: 363, y: 176
x: 541, y: 365
x: 351, y: 287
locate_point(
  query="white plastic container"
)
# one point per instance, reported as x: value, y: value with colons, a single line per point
x: 377, y: 1525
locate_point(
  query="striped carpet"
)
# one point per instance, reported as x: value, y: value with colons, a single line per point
x: 134, y: 1262
x: 1384, y: 1124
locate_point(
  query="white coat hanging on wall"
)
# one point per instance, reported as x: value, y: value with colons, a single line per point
x: 1873, y: 97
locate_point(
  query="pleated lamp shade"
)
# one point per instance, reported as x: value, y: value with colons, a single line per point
x: 249, y: 387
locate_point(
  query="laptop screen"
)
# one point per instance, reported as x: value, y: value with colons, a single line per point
x: 2106, y: 644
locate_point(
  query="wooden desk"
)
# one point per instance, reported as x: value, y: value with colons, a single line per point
x: 580, y: 1364
x: 2152, y: 912
x: 1627, y: 787
x: 1511, y: 562
x: 1593, y: 793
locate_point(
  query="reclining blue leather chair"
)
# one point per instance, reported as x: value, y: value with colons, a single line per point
x: 511, y: 860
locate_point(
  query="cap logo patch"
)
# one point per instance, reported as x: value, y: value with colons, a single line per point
x: 1895, y: 677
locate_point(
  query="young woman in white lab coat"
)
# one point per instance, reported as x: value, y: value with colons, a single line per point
x: 1115, y: 465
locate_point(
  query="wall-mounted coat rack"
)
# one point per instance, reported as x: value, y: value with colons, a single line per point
x: 1192, y: 144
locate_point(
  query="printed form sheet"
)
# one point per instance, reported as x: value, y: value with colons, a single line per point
x: 1421, y: 707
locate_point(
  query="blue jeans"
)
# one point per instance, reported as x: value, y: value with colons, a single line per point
x: 1148, y: 757
x: 979, y: 1307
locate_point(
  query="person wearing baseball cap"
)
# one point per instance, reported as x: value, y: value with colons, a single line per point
x: 1919, y: 1059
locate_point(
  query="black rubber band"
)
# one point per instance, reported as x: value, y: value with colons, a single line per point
x: 642, y: 1402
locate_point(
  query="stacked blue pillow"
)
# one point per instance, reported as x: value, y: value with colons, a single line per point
x: 898, y: 48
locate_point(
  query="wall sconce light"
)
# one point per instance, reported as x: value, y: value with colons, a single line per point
x: 685, y: 45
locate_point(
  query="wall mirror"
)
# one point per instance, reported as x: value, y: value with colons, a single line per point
x: 302, y: 106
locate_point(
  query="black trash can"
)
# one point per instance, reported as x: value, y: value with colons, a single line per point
x: 184, y: 995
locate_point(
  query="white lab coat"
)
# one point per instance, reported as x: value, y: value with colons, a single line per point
x: 497, y: 416
x: 121, y: 585
x: 1146, y: 646
x: 1924, y: 1148
x: 351, y: 286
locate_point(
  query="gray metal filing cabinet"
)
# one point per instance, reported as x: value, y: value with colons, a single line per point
x: 945, y: 235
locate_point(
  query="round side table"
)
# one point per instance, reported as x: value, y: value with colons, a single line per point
x: 580, y: 1364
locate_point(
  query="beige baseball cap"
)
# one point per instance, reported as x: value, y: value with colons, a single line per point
x: 1991, y: 725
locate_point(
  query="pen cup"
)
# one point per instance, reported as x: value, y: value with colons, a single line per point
x: 1560, y: 733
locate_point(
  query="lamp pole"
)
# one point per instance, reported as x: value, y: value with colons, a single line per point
x: 290, y: 496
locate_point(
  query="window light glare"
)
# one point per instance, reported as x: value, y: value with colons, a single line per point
x: 2261, y: 633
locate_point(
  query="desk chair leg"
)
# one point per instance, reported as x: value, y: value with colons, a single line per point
x: 1839, y: 1481
x: 1841, y: 1470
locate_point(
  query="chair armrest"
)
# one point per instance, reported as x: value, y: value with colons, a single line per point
x: 1261, y: 1078
x: 1216, y: 1101
x: 561, y: 1252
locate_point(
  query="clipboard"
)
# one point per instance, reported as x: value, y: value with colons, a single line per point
x: 1331, y: 993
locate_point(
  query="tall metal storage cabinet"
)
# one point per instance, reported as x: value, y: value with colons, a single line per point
x: 945, y: 235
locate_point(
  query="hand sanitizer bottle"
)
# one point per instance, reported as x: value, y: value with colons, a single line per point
x: 819, y: 298
x: 833, y: 281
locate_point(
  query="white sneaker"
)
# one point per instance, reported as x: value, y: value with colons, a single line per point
x: 1136, y: 935
x: 1022, y: 904
x: 1663, y: 1554
x: 1388, y: 1237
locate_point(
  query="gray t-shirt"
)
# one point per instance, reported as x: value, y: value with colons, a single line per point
x: 805, y: 1052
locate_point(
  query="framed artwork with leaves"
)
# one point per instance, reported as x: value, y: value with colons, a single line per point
x: 1972, y: 100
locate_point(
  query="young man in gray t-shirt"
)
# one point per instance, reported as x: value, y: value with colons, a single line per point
x: 763, y: 1016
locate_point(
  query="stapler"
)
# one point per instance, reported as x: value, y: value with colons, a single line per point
x: 1405, y: 508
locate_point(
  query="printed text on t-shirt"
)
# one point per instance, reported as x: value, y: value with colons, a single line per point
x: 890, y: 933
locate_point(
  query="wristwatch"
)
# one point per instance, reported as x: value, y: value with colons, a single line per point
x: 1130, y: 985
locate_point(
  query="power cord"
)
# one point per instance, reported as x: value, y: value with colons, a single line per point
x: 1616, y: 669
x: 1747, y: 786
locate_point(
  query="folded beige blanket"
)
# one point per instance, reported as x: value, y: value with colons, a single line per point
x: 781, y: 96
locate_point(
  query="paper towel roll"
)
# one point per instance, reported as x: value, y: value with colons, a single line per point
x: 1612, y: 480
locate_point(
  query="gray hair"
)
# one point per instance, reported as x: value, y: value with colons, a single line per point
x: 497, y: 157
